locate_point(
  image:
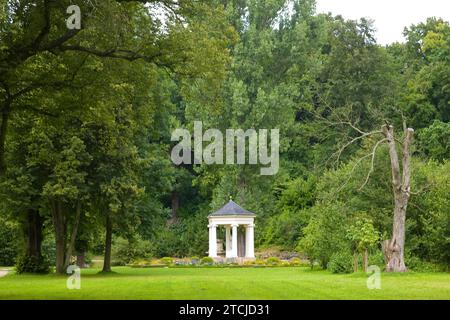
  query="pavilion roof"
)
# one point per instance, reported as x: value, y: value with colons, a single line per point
x: 231, y: 209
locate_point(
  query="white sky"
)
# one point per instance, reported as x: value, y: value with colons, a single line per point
x: 391, y: 16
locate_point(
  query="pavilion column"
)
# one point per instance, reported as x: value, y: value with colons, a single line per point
x: 212, y: 241
x: 227, y: 241
x: 249, y: 241
x: 234, y: 251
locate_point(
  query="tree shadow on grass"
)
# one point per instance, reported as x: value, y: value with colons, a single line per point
x: 107, y: 273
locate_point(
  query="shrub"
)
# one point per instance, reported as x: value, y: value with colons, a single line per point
x: 341, y: 262
x: 295, y: 262
x: 416, y: 264
x: 325, y: 233
x: 156, y: 262
x: 207, y: 261
x: 141, y: 263
x: 9, y: 244
x: 29, y: 264
x: 166, y: 261
x: 186, y: 237
x: 195, y: 260
x: 250, y: 262
x: 273, y: 261
x: 377, y: 258
x: 125, y: 251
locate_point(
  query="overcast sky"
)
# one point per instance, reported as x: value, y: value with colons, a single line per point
x: 391, y: 16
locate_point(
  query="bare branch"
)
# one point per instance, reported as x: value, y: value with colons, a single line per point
x: 351, y: 172
x: 374, y: 150
x: 336, y: 123
x: 423, y: 190
x: 353, y: 127
x: 339, y: 152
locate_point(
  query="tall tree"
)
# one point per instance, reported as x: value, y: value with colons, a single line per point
x: 394, y: 248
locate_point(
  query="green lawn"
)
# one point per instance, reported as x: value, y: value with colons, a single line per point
x: 225, y: 283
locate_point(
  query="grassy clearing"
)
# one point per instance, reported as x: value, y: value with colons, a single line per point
x: 225, y: 283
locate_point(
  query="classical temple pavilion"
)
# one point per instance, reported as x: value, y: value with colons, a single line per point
x: 239, y: 235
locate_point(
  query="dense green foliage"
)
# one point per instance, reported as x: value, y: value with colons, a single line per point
x: 10, y: 246
x: 126, y: 251
x: 30, y: 264
x: 340, y: 262
x: 87, y: 117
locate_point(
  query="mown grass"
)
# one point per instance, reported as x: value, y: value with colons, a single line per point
x: 225, y: 283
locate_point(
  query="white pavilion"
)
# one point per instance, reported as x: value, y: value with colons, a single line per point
x: 239, y: 234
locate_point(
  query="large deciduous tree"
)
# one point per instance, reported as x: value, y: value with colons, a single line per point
x: 63, y: 89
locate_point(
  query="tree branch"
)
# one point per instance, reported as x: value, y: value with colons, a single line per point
x: 37, y: 110
x: 339, y: 152
x: 61, y: 40
x: 388, y: 131
x: 374, y: 150
x: 424, y: 189
x: 351, y: 172
x: 46, y: 28
x: 111, y: 53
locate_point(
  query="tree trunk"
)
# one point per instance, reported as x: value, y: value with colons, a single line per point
x: 108, y: 240
x: 175, y: 204
x: 394, y: 248
x: 366, y: 260
x: 60, y: 236
x: 3, y: 130
x: 355, y: 261
x: 81, y: 259
x: 33, y: 231
x: 74, y: 234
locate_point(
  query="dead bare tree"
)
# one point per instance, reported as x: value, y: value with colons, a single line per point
x: 401, y: 175
x: 394, y: 248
